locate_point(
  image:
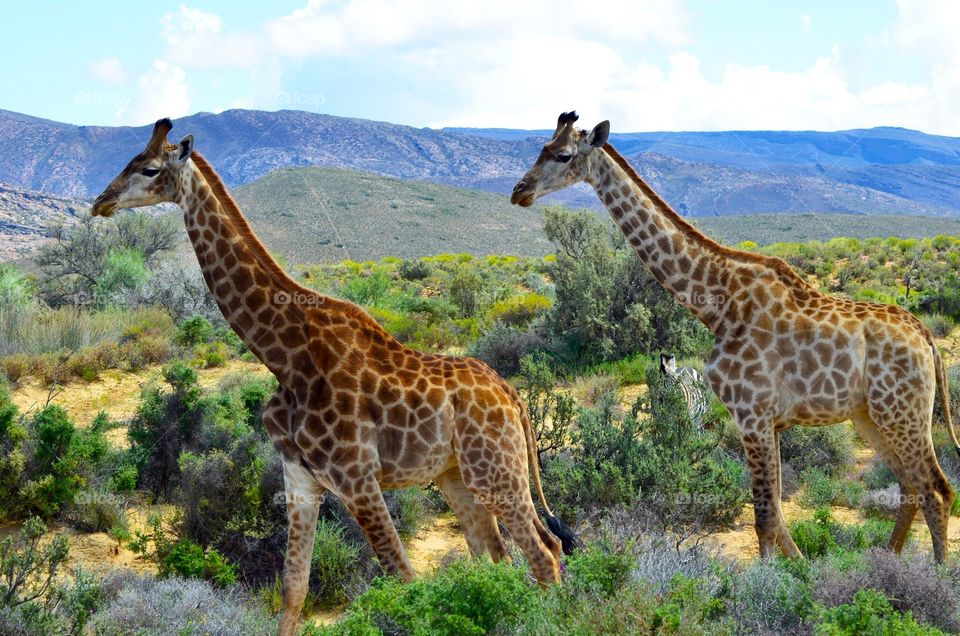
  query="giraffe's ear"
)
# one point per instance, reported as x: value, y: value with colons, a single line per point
x: 185, y: 148
x: 599, y: 135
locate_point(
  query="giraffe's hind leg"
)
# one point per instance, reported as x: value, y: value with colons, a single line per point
x: 866, y: 428
x: 936, y: 495
x: 479, y: 525
x: 497, y: 475
x: 907, y: 432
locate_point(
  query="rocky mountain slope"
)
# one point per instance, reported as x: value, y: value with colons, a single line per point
x: 875, y: 171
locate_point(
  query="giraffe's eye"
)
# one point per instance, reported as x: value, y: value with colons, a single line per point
x: 150, y: 172
x: 563, y: 157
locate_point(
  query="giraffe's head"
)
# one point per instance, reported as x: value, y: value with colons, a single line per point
x: 151, y: 177
x: 564, y: 160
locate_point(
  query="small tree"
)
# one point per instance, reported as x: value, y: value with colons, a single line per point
x: 550, y: 412
x: 72, y: 266
x: 27, y: 569
x: 688, y: 486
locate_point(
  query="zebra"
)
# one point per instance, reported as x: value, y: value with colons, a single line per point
x: 693, y: 386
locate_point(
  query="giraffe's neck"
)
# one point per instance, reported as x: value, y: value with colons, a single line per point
x: 259, y: 304
x: 682, y: 259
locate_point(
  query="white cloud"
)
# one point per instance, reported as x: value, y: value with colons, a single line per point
x: 109, y: 70
x: 162, y: 92
x: 323, y: 28
x: 508, y: 63
x: 196, y: 39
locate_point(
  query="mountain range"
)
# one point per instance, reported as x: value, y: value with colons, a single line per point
x: 373, y: 178
x: 870, y: 171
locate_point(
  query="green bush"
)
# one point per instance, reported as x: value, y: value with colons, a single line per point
x: 941, y: 325
x: 334, y: 572
x: 367, y: 289
x: 194, y: 331
x: 629, y: 370
x: 186, y: 558
x: 61, y: 461
x: 462, y: 600
x: 686, y: 482
x: 181, y: 557
x: 164, y: 425
x: 818, y: 489
x: 829, y: 448
x: 551, y: 412
x: 823, y: 535
x: 652, y: 456
x: 870, y: 613
x: 520, y: 310
x: 600, y: 569
x: 124, y: 271
x: 29, y: 568
x: 688, y: 602
x: 503, y: 347
x: 415, y: 270
x: 411, y: 510
x: 608, y: 305
x: 12, y: 458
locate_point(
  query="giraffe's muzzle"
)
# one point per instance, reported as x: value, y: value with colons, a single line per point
x: 522, y: 195
x: 105, y: 205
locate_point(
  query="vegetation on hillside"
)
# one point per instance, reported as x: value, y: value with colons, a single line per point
x: 575, y: 330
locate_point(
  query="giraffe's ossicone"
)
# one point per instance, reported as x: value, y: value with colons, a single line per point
x: 784, y: 353
x: 356, y: 411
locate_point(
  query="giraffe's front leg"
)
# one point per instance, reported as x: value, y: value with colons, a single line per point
x: 784, y: 540
x: 364, y: 500
x: 303, y: 496
x: 760, y: 447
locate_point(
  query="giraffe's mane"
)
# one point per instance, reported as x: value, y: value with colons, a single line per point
x: 779, y: 266
x: 260, y: 252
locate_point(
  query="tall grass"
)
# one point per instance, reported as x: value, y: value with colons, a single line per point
x: 34, y: 330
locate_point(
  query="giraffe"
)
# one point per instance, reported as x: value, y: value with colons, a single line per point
x: 356, y: 412
x: 784, y: 354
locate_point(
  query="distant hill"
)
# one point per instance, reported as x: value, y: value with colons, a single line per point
x: 764, y: 229
x: 26, y: 216
x: 323, y: 214
x: 887, y: 171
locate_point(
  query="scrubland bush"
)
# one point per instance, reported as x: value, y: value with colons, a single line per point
x: 911, y: 582
x: 607, y: 304
x: 870, y: 612
x: 818, y: 489
x: 651, y: 457
x: 503, y: 347
x: 336, y: 570
x: 940, y: 324
x: 140, y: 604
x: 823, y: 535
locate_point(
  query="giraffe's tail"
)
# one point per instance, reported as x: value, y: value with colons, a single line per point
x: 944, y: 388
x: 568, y: 539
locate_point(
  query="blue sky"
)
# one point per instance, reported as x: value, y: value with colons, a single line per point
x: 643, y: 64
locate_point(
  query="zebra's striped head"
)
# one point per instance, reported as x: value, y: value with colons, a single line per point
x: 668, y: 364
